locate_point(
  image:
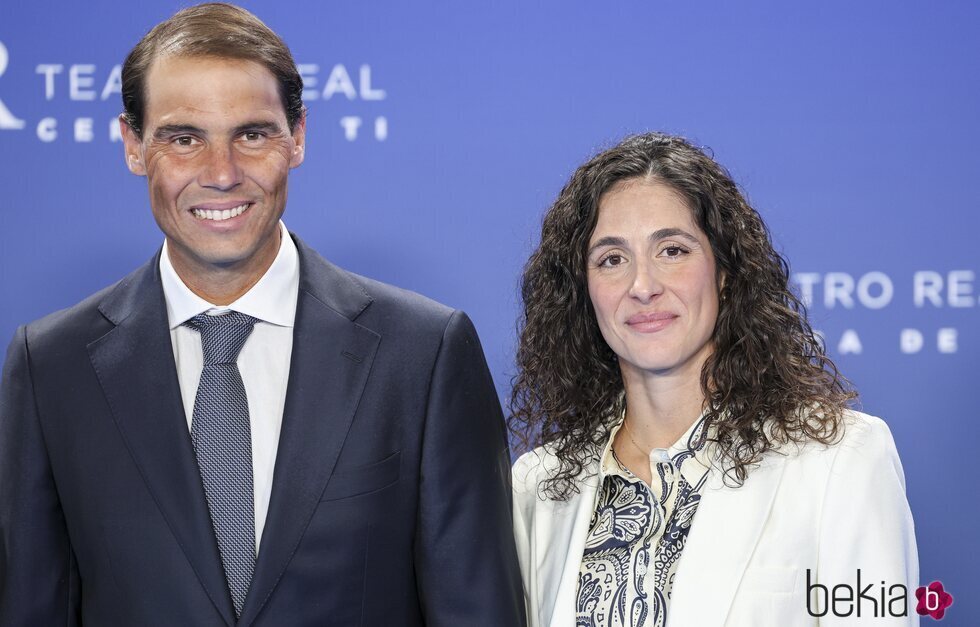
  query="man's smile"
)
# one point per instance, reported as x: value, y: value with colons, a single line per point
x: 218, y: 214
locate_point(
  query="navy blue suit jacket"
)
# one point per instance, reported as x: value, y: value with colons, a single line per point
x: 390, y: 502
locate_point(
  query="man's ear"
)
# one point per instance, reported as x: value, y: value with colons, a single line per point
x: 133, y: 148
x: 299, y: 139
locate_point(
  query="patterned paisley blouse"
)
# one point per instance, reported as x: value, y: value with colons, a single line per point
x: 638, y: 532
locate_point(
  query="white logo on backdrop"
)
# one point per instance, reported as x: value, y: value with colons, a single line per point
x: 86, y: 83
x: 7, y: 119
x: 875, y: 290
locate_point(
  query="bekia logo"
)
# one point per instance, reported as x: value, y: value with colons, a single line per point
x: 874, y: 600
x: 7, y: 119
x: 842, y: 600
x: 933, y: 600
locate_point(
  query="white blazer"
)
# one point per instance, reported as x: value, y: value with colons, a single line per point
x: 830, y: 510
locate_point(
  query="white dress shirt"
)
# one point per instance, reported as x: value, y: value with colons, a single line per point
x: 263, y: 360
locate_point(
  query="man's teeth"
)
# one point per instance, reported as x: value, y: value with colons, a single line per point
x: 214, y: 214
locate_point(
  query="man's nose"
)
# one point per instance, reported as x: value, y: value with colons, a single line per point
x: 221, y: 169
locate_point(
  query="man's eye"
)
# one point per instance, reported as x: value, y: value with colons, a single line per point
x: 252, y: 136
x: 184, y: 140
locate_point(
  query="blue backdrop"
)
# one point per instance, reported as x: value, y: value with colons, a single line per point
x: 439, y: 133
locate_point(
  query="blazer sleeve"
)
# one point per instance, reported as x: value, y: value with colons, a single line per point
x: 866, y: 524
x: 466, y: 562
x: 39, y: 580
x: 521, y: 476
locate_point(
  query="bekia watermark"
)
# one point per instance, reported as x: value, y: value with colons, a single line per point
x: 933, y: 600
x: 873, y: 600
x: 843, y: 599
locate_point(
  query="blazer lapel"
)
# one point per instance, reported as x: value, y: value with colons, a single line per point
x: 331, y: 359
x: 558, y: 536
x: 726, y: 529
x: 573, y: 539
x: 136, y: 369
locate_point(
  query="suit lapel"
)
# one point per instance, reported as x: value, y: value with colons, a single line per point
x: 563, y: 541
x: 329, y: 366
x: 136, y: 369
x: 726, y: 529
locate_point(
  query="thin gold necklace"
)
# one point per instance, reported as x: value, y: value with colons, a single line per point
x: 630, y: 434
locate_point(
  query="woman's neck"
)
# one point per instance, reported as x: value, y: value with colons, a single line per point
x: 661, y: 407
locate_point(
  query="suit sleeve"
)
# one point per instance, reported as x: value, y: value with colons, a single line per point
x: 38, y: 575
x: 465, y: 556
x: 866, y: 524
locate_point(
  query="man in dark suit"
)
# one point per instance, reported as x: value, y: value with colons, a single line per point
x: 239, y: 432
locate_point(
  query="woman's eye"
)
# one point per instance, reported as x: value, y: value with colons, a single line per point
x: 611, y: 261
x: 673, y: 251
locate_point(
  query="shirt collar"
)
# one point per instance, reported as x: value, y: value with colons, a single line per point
x: 272, y: 299
x: 689, y: 453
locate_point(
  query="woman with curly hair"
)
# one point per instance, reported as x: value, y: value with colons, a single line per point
x: 692, y: 460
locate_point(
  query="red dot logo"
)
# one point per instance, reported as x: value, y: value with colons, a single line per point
x: 933, y: 600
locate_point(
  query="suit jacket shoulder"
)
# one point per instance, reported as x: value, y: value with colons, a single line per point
x: 82, y: 321
x: 397, y: 306
x: 864, y: 445
x: 56, y: 341
x: 376, y: 305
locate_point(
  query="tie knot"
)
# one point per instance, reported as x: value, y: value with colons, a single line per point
x: 222, y: 336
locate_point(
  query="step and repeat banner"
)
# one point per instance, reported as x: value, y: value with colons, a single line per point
x: 438, y: 133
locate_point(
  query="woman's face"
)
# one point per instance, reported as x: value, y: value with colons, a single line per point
x: 651, y: 277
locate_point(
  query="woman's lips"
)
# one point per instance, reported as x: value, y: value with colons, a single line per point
x: 651, y: 322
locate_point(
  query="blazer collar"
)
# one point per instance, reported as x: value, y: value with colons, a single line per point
x: 334, y: 288
x: 142, y: 293
x: 331, y: 358
x: 726, y: 529
x: 272, y: 299
x: 559, y: 541
x: 135, y: 366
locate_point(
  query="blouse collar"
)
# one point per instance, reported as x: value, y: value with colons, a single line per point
x: 689, y: 454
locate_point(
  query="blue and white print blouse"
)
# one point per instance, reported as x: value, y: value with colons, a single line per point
x: 638, y: 532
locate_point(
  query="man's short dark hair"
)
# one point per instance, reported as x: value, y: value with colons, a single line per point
x: 216, y: 30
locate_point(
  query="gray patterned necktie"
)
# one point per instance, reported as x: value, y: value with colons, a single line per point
x: 222, y: 441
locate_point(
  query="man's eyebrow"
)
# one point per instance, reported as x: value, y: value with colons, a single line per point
x: 261, y: 126
x: 168, y: 130
x: 659, y: 234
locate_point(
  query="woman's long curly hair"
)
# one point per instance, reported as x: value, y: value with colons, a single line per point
x: 768, y: 380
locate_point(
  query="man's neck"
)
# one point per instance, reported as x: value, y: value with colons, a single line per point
x: 222, y: 284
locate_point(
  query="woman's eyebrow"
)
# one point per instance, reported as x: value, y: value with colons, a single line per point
x: 673, y: 232
x: 608, y: 240
x: 612, y: 240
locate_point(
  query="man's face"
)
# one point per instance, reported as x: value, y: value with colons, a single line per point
x: 216, y: 151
